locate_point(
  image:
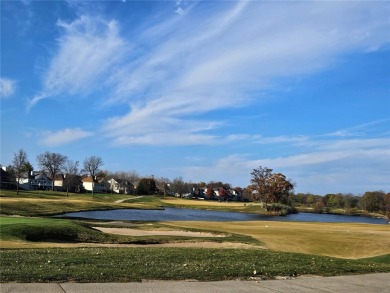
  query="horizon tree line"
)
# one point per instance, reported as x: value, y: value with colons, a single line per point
x: 265, y: 186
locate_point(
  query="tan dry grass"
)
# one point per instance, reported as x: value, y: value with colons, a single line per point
x: 197, y: 244
x: 203, y: 203
x: 138, y: 232
x: 331, y: 239
x: 41, y: 206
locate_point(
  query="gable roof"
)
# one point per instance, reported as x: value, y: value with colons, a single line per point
x: 59, y: 177
x: 42, y: 177
x: 90, y: 179
x: 120, y: 181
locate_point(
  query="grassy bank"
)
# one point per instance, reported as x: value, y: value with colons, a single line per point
x: 18, y: 232
x: 135, y: 264
x: 231, y: 206
x: 351, y: 241
x: 37, y: 249
x: 345, y: 240
x: 343, y: 212
x: 45, y: 203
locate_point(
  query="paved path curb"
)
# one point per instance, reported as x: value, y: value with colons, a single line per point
x: 372, y: 283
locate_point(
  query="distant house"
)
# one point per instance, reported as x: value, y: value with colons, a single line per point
x: 98, y: 184
x: 121, y: 186
x: 6, y: 179
x: 70, y: 182
x: 198, y: 192
x: 59, y: 183
x: 235, y: 195
x: 35, y: 180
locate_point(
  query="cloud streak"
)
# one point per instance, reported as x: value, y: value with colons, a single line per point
x: 87, y: 52
x: 201, y: 64
x: 337, y: 166
x: 7, y: 87
x: 64, y: 136
x: 357, y: 130
x: 181, y: 67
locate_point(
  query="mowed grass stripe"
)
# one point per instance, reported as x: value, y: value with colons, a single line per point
x: 343, y: 240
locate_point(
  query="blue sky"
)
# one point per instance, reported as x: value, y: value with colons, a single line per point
x: 206, y: 90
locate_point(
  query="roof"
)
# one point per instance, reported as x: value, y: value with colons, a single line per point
x: 41, y: 176
x: 89, y: 179
x: 59, y: 177
x: 121, y: 181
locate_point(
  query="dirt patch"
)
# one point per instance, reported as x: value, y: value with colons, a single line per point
x: 137, y: 232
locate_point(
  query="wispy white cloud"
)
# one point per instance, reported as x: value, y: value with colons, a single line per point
x: 64, y: 136
x: 87, y: 52
x: 199, y: 64
x: 335, y: 166
x: 260, y: 139
x: 358, y: 130
x: 7, y: 87
x: 179, y: 10
x: 35, y: 100
x: 213, y: 57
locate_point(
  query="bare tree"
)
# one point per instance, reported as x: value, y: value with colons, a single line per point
x: 91, y: 166
x: 71, y: 175
x: 163, y: 185
x: 133, y: 176
x: 51, y: 163
x: 20, y: 164
x: 179, y: 186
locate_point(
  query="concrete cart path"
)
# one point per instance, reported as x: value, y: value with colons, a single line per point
x: 122, y: 200
x: 374, y: 283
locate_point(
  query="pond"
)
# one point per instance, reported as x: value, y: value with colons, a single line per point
x: 179, y: 214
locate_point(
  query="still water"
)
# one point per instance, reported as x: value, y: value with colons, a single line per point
x: 177, y: 214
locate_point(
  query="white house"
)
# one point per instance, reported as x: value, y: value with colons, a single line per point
x: 98, y: 184
x: 35, y: 180
x: 59, y: 182
x: 121, y: 186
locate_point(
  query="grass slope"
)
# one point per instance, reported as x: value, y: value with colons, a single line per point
x: 135, y: 264
x: 294, y: 248
x: 45, y: 203
x: 52, y: 230
x: 18, y: 232
x: 343, y: 240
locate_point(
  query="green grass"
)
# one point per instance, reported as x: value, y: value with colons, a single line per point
x: 384, y: 259
x: 46, y: 203
x: 60, y: 195
x: 50, y: 230
x: 21, y: 231
x: 135, y: 264
x: 294, y: 248
x: 284, y: 240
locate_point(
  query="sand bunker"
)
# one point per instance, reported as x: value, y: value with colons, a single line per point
x: 137, y: 232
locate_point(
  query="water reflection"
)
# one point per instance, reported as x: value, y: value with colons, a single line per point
x: 178, y: 214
